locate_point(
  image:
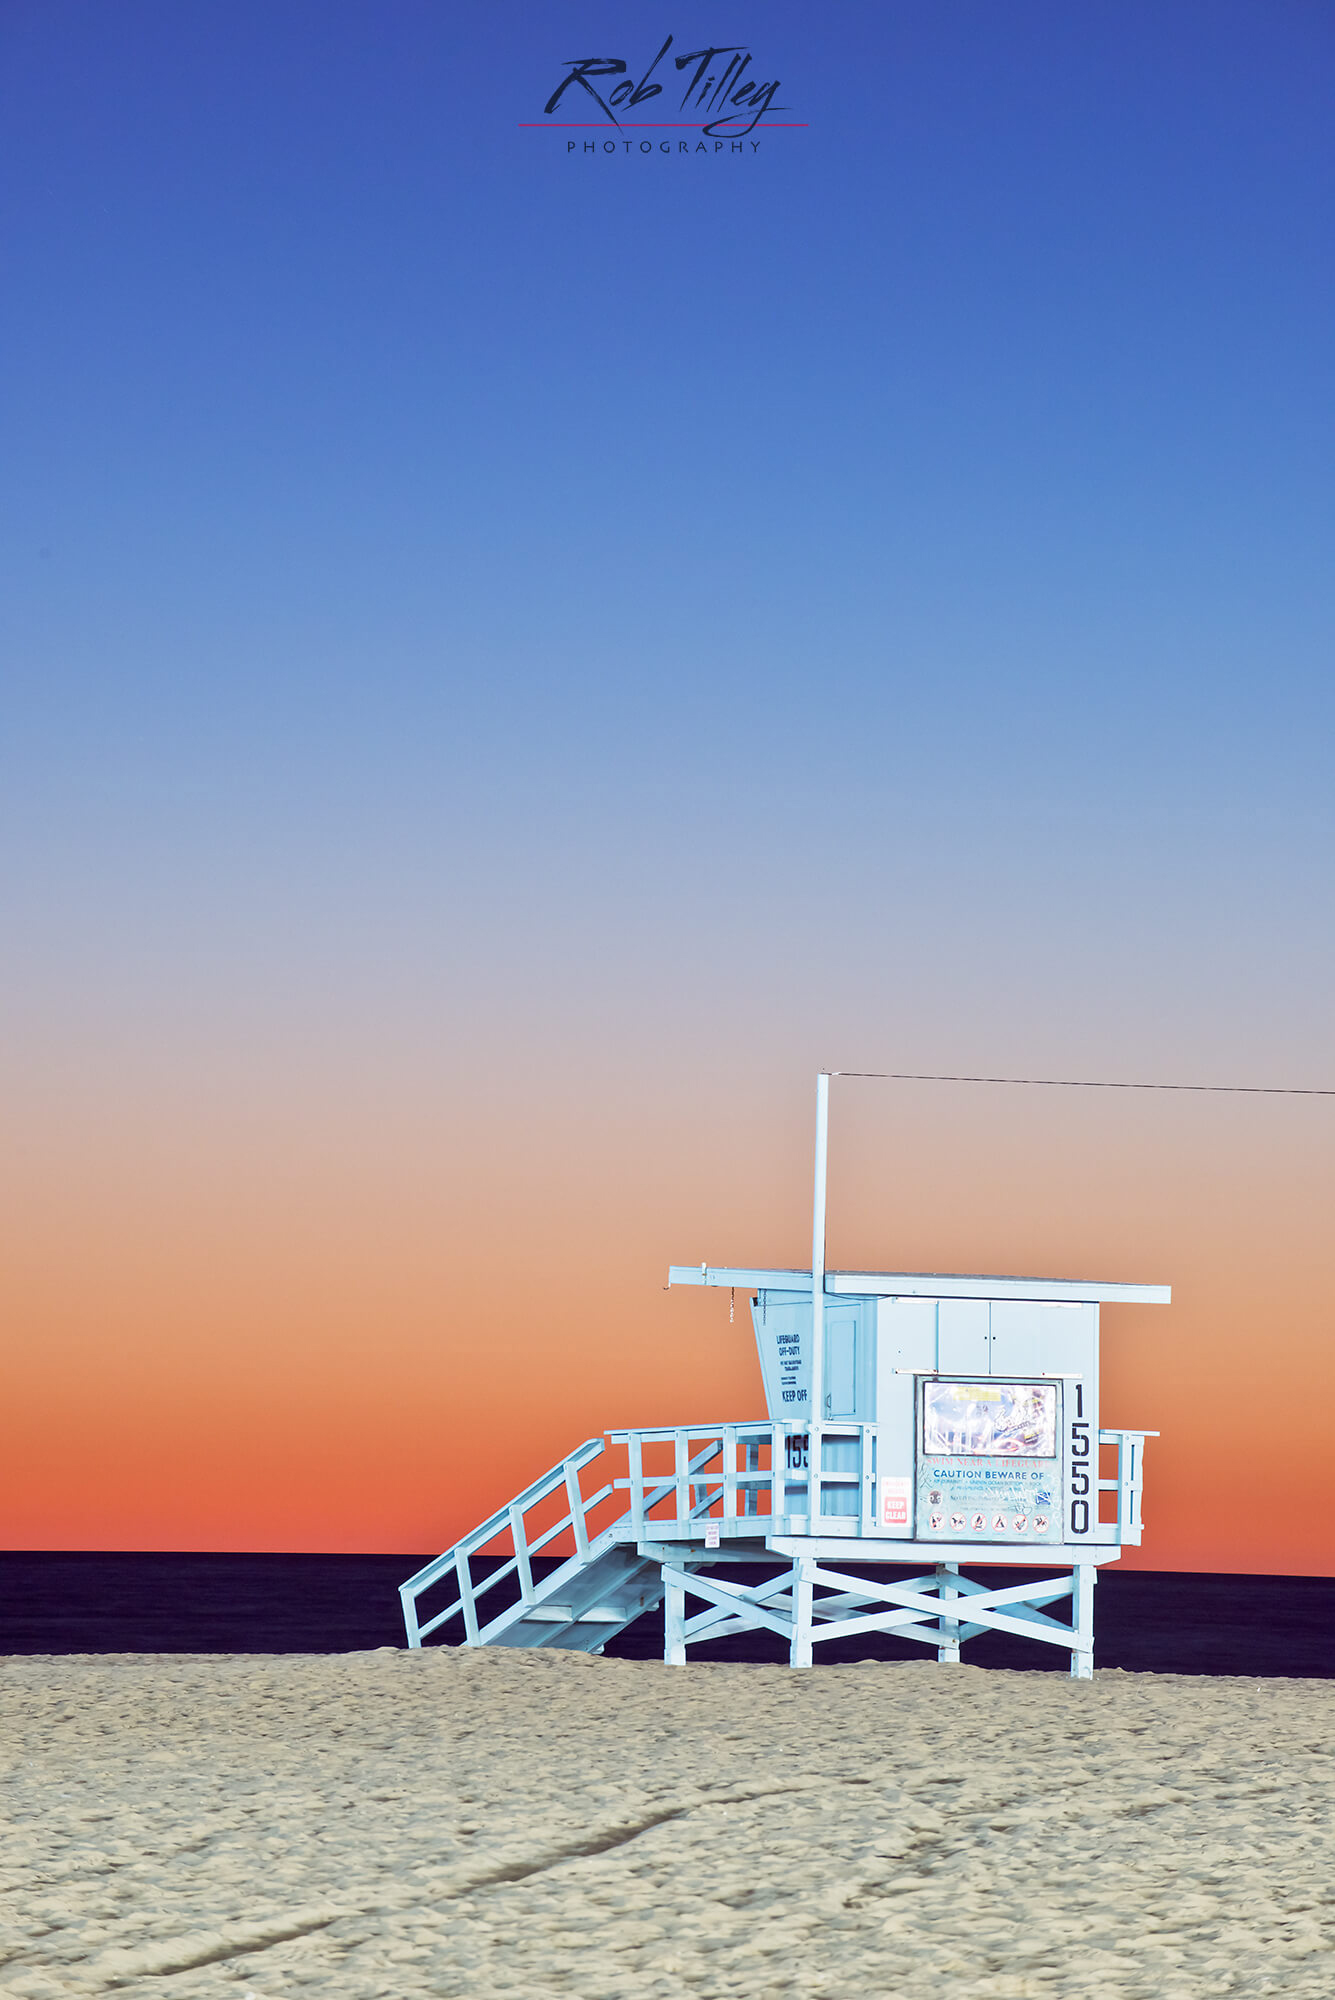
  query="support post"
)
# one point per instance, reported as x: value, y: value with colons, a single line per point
x: 799, y: 1654
x: 751, y: 1502
x: 816, y: 1402
x: 674, y: 1626
x: 1082, y: 1619
x: 948, y: 1651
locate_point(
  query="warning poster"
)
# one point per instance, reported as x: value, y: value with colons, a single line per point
x: 988, y: 1469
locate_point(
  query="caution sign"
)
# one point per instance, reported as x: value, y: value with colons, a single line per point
x: 988, y: 1465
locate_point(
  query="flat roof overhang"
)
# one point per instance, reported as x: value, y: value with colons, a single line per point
x: 925, y: 1285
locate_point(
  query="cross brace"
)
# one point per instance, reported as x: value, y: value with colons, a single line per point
x: 941, y: 1609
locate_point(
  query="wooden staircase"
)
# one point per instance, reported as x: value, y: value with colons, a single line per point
x: 578, y: 1606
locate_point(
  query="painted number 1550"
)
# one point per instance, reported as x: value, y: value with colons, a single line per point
x: 1080, y: 1464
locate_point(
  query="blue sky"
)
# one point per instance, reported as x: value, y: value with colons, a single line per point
x: 921, y: 524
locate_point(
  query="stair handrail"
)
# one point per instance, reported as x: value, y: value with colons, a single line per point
x: 566, y: 1472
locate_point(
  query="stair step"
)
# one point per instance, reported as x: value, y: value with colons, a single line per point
x: 562, y: 1614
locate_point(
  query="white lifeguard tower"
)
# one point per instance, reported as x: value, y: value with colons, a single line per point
x: 914, y: 1419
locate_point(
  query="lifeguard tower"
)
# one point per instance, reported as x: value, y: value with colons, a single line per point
x: 914, y: 1421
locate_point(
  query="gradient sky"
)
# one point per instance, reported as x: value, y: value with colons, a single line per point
x: 513, y: 660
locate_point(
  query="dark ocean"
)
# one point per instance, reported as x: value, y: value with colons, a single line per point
x: 1145, y: 1621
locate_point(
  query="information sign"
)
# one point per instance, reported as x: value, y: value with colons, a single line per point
x: 988, y: 1464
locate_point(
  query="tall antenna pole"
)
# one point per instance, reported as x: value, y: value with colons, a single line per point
x: 817, y: 1410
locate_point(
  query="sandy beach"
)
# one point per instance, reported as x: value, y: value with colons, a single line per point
x: 479, y: 1823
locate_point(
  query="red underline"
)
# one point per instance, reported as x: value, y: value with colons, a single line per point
x: 682, y: 125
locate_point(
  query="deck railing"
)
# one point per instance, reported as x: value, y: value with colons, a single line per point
x: 734, y: 1475
x: 1127, y: 1485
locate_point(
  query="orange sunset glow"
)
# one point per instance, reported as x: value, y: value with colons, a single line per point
x: 257, y: 1334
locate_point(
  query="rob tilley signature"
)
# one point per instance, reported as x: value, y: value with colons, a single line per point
x: 718, y: 81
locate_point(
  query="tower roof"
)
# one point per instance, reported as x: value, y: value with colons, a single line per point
x: 925, y: 1285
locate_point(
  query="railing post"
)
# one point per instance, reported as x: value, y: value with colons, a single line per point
x: 682, y: 1461
x: 576, y: 1499
x: 751, y: 1497
x: 461, y: 1570
x: 778, y: 1472
x: 523, y: 1567
x: 635, y: 1470
x: 730, y: 1472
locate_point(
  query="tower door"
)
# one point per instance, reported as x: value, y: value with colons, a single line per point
x: 841, y: 1362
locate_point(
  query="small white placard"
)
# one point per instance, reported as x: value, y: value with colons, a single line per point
x: 711, y: 1534
x: 896, y: 1502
